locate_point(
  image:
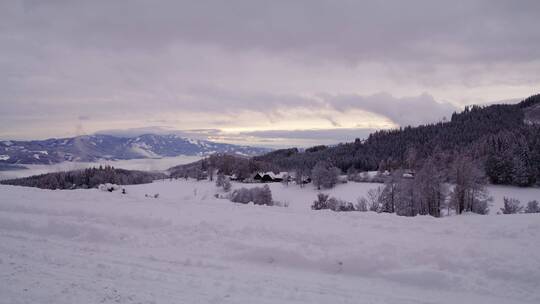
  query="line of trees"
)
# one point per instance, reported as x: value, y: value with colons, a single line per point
x: 87, y: 178
x: 426, y: 192
x: 512, y: 206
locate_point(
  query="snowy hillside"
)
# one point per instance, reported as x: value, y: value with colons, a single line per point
x: 89, y: 246
x: 106, y: 147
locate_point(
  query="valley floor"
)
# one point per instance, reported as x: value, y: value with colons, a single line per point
x: 89, y: 246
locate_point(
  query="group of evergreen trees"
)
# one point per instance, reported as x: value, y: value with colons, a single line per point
x: 87, y: 178
x: 512, y: 206
x: 227, y: 164
x: 496, y: 136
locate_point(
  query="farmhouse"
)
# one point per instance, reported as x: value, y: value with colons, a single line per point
x: 270, y: 177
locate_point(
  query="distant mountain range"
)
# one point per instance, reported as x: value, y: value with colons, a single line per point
x: 89, y: 148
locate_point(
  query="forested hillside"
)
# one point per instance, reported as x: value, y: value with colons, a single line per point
x: 227, y: 164
x: 504, y: 139
x: 87, y: 178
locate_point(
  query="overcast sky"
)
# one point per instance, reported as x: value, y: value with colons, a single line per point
x: 274, y: 73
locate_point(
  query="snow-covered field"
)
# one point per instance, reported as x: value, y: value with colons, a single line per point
x: 88, y: 246
x: 145, y: 164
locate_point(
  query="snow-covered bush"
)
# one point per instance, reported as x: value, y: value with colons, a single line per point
x: 223, y: 182
x: 262, y: 195
x: 320, y: 203
x: 362, y: 204
x: 226, y: 185
x: 481, y: 207
x: 511, y: 206
x: 374, y: 199
x: 257, y: 195
x: 532, y: 207
x: 220, y: 180
x: 242, y: 195
x: 334, y: 204
x: 108, y: 187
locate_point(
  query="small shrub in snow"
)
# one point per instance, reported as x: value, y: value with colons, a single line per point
x: 362, y: 204
x: 481, y: 207
x: 334, y: 204
x: 320, y: 203
x: 226, y: 185
x: 257, y: 195
x: 108, y: 187
x: 532, y: 207
x: 374, y: 199
x: 220, y: 180
x: 241, y: 195
x: 511, y: 206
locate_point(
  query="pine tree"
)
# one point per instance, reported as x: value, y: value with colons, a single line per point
x: 532, y: 207
x: 511, y: 206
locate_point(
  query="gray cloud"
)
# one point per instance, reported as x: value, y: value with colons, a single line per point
x: 306, y: 138
x: 404, y: 111
x: 73, y: 65
x: 352, y: 30
x: 412, y: 110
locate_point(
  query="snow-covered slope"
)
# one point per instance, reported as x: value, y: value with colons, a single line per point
x: 97, y: 147
x: 88, y: 246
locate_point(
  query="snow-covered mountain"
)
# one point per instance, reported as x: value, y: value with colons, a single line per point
x: 96, y: 147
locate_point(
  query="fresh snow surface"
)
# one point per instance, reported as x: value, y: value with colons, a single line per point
x: 157, y: 164
x: 90, y: 246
